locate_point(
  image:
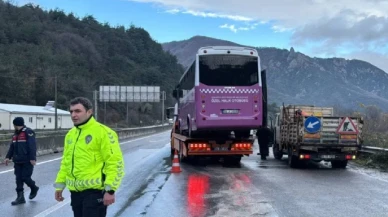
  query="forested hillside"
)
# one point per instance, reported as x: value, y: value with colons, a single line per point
x: 37, y: 45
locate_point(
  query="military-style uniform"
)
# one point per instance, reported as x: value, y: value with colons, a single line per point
x: 22, y: 151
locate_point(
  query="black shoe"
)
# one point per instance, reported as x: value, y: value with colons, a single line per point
x: 263, y: 157
x: 34, y: 192
x: 19, y: 200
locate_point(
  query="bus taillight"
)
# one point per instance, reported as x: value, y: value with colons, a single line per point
x: 199, y: 147
x: 241, y: 146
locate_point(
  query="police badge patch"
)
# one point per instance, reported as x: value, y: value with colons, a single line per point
x: 88, y: 139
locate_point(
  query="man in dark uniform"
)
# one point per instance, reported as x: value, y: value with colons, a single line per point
x: 22, y: 151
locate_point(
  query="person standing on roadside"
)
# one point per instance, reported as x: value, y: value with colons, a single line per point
x: 22, y: 152
x: 92, y: 166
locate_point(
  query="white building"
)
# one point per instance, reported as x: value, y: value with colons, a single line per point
x: 35, y: 117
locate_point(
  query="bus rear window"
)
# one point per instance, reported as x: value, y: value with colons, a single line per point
x: 228, y: 70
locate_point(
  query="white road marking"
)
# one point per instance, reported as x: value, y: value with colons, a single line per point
x: 48, y: 161
x: 54, y: 208
x: 67, y: 200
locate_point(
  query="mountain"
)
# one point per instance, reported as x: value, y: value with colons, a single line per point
x: 37, y: 46
x: 296, y: 78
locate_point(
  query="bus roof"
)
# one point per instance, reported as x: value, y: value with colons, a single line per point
x: 225, y: 49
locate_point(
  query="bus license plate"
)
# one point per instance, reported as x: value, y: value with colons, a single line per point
x: 328, y: 156
x: 220, y: 148
x: 230, y: 111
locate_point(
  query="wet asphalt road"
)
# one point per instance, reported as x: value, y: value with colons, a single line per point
x: 255, y: 188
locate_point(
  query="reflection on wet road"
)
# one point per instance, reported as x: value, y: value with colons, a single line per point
x: 213, y: 189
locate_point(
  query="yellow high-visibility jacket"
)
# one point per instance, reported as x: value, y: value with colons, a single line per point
x: 92, y: 159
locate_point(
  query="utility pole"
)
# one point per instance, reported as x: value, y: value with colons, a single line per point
x: 95, y: 105
x: 163, y: 98
x: 56, y: 98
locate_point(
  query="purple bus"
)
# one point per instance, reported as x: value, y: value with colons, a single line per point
x: 223, y: 90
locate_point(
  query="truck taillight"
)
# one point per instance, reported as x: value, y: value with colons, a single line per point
x: 304, y: 156
x: 350, y: 157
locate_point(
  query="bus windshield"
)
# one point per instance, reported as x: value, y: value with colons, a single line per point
x: 228, y: 70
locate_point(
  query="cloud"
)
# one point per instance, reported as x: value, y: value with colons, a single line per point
x: 286, y: 12
x: 233, y: 28
x: 173, y: 11
x: 215, y: 15
x: 277, y: 28
x: 347, y: 26
x: 327, y: 26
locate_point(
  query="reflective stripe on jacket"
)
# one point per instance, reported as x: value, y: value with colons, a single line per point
x: 92, y: 159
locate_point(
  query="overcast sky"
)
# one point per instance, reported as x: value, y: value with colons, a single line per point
x: 332, y: 28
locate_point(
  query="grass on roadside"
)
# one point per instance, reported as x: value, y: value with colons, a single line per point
x: 376, y: 161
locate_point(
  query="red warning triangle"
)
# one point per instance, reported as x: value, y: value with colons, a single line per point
x: 347, y: 127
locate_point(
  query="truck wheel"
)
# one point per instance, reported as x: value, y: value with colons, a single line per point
x: 276, y: 152
x: 293, y: 161
x: 339, y: 164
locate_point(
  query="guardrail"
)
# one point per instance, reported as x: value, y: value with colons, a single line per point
x: 373, y: 150
x: 47, y: 144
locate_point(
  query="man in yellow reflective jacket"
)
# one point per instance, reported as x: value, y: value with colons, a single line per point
x: 92, y: 166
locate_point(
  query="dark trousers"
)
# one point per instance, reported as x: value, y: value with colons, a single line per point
x: 263, y: 147
x: 263, y: 138
x: 23, y: 173
x: 88, y: 203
